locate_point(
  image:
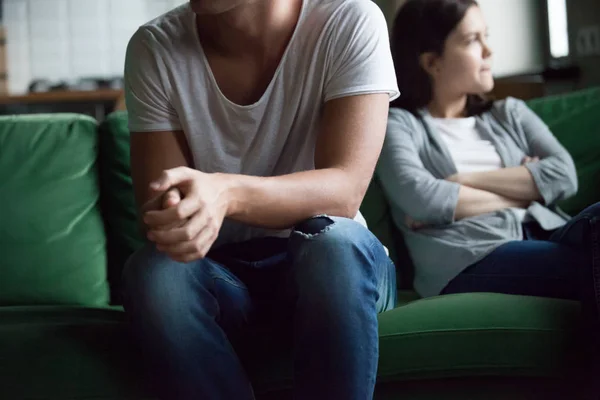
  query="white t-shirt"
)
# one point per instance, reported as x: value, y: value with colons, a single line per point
x: 339, y: 48
x: 469, y: 150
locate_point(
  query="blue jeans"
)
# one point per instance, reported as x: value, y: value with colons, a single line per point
x: 321, y: 289
x: 561, y: 264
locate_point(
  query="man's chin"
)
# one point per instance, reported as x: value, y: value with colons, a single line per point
x: 203, y: 8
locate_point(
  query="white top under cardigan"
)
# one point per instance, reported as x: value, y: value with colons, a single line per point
x: 470, y: 150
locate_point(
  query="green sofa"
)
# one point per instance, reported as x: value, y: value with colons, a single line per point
x: 67, y: 224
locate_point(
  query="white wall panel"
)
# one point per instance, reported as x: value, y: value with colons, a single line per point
x: 516, y: 35
x: 49, y: 40
x: 16, y: 22
x: 89, y: 38
x: 71, y: 39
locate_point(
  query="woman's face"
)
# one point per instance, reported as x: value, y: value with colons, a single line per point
x: 465, y: 65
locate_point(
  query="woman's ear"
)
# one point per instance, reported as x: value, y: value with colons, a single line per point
x: 430, y: 63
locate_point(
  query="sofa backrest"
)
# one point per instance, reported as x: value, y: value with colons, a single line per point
x: 52, y: 236
x: 52, y: 240
x: 574, y: 119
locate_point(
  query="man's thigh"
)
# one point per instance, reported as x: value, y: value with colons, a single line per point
x: 529, y: 267
x: 263, y: 266
x: 157, y: 285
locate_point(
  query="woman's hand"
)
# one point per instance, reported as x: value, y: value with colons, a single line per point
x: 194, y: 207
x: 412, y: 224
x: 455, y: 178
x: 528, y: 160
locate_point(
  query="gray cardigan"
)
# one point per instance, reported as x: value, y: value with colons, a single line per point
x: 412, y: 168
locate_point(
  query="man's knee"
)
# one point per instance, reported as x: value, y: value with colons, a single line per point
x: 314, y: 226
x: 155, y: 284
x: 333, y: 231
x: 339, y: 241
x: 334, y: 251
x: 144, y: 266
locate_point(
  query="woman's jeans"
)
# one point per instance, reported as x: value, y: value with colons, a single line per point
x: 320, y: 290
x: 565, y: 264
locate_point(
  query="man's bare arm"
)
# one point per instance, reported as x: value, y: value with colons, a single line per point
x: 151, y: 154
x: 348, y: 145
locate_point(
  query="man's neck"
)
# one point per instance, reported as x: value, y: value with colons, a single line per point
x: 448, y: 106
x: 251, y: 28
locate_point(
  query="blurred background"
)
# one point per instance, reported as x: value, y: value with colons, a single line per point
x: 541, y: 47
x: 68, y: 55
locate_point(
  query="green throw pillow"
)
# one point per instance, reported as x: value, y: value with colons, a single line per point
x: 51, y: 236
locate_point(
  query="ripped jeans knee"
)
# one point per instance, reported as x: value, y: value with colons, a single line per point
x: 314, y: 226
x: 339, y: 255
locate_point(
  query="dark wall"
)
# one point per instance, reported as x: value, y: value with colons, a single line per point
x: 582, y: 13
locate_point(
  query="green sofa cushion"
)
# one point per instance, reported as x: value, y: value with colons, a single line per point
x: 117, y: 199
x: 52, y: 236
x: 574, y: 119
x: 478, y: 334
x: 80, y: 353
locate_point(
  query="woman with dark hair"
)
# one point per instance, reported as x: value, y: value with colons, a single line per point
x: 473, y: 184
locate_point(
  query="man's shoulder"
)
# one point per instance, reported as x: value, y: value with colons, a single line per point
x: 346, y: 10
x: 167, y: 29
x: 343, y: 25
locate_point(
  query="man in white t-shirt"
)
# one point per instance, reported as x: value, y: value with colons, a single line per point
x: 256, y: 126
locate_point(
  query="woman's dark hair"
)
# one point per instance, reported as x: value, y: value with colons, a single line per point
x: 422, y: 26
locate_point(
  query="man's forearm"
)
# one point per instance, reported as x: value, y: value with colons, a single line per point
x: 281, y: 202
x: 515, y: 183
x: 473, y: 202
